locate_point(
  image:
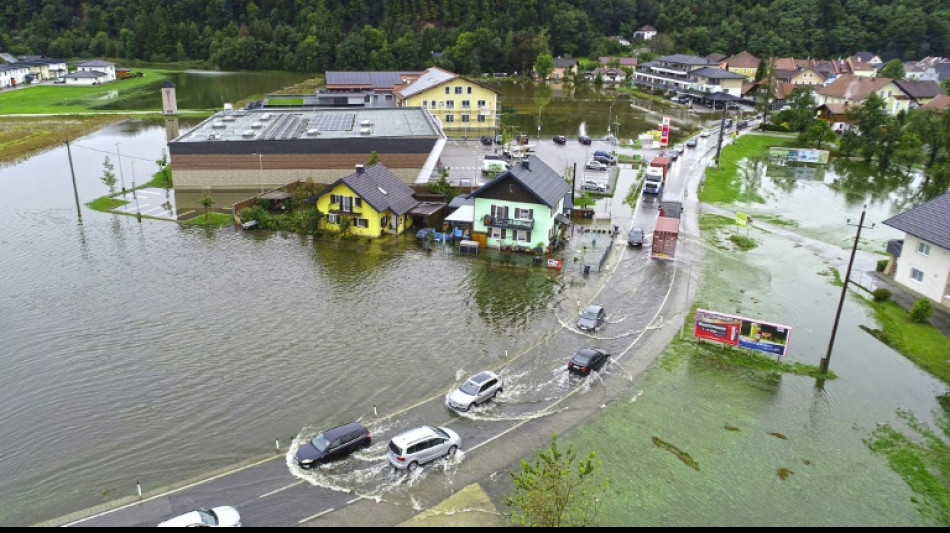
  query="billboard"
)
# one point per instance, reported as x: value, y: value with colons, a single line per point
x: 798, y: 155
x: 742, y: 332
x: 665, y: 132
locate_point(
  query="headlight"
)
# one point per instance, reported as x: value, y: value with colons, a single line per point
x: 306, y: 462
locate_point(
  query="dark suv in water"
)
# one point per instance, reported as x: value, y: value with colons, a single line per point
x: 333, y: 444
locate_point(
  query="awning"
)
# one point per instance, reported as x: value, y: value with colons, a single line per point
x: 462, y: 215
x: 561, y: 219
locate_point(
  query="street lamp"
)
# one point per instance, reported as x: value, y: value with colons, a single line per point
x: 609, y: 113
x: 260, y: 158
x: 539, y: 122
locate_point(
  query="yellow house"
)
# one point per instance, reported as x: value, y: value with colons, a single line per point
x: 459, y: 103
x: 852, y: 90
x: 368, y: 203
x: 743, y: 63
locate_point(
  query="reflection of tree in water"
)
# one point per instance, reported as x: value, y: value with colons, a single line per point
x: 510, y: 297
x: 752, y: 170
x: 862, y: 182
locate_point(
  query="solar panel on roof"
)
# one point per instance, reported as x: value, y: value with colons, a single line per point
x: 332, y: 122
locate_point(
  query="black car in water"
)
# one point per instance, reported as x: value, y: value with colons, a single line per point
x: 560, y: 139
x: 584, y: 139
x: 333, y: 444
x: 586, y: 360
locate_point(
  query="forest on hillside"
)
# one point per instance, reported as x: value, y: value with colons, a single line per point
x: 470, y: 36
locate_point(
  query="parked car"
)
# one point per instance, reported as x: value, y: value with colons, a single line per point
x: 477, y: 390
x: 674, y: 154
x: 594, y: 185
x: 410, y: 449
x: 607, y: 157
x: 704, y: 133
x: 635, y: 237
x: 592, y: 318
x: 743, y: 124
x: 215, y: 517
x: 333, y: 444
x: 691, y: 143
x: 586, y: 360
x: 595, y: 165
x: 584, y: 139
x: 59, y: 80
x: 560, y: 139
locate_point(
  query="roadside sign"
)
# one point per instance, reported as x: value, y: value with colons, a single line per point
x: 742, y: 219
x: 555, y: 264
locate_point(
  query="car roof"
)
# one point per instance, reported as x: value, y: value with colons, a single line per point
x: 593, y: 308
x: 413, y: 435
x: 637, y: 230
x: 339, y: 431
x: 482, y: 377
x: 588, y: 351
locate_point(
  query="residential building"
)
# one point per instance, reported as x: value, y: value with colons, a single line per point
x: 370, y: 89
x: 670, y: 73
x: 98, y: 66
x: 610, y: 74
x: 619, y: 40
x: 836, y: 115
x: 257, y: 149
x: 743, y: 63
x: 461, y: 105
x: 938, y: 104
x: 923, y: 263
x: 523, y: 206
x: 868, y: 57
x: 808, y: 76
x: 645, y: 33
x: 716, y: 58
x: 44, y: 68
x: 860, y: 68
x: 853, y: 90
x: 13, y: 74
x: 621, y: 62
x: 564, y: 67
x: 715, y: 79
x: 371, y: 202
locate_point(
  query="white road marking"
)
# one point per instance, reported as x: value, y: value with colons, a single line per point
x: 318, y: 515
x: 271, y: 493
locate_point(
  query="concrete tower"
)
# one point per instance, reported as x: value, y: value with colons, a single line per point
x: 169, y: 101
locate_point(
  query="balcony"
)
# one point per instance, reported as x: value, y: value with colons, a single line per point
x: 509, y: 223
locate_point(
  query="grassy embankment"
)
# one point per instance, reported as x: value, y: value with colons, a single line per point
x: 724, y: 184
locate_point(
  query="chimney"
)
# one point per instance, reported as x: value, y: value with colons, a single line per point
x: 526, y: 164
x: 360, y: 169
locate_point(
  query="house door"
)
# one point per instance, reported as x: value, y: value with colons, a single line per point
x: 346, y: 204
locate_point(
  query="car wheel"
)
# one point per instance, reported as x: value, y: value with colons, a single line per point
x: 497, y: 392
x: 470, y: 407
x: 412, y: 466
x: 452, y: 451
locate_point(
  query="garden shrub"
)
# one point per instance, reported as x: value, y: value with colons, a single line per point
x: 881, y: 295
x: 882, y: 265
x: 922, y: 311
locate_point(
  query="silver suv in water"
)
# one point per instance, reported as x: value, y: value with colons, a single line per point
x: 477, y: 390
x: 418, y: 446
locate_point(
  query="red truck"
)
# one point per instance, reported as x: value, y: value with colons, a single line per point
x: 663, y: 163
x: 664, y: 237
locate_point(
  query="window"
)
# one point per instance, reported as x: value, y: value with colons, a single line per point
x: 384, y: 221
x: 458, y: 90
x: 496, y: 233
x: 333, y: 219
x: 450, y: 104
x: 334, y: 198
x: 358, y: 202
x: 466, y: 104
x: 917, y: 275
x: 948, y: 293
x: 923, y: 248
x: 433, y: 104
x: 450, y: 118
x: 481, y: 118
x: 521, y: 236
x: 448, y: 90
x: 481, y: 104
x: 469, y: 90
x: 524, y: 214
x: 466, y: 118
x: 425, y: 104
x: 362, y: 223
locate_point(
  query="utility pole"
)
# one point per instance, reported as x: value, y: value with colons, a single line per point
x: 72, y: 171
x: 722, y: 127
x: 539, y: 123
x: 260, y: 158
x: 823, y: 366
x: 121, y: 177
x: 138, y: 211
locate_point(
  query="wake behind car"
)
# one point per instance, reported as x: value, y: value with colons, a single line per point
x: 224, y: 516
x: 475, y: 391
x: 586, y: 360
x: 592, y: 318
x: 410, y: 449
x: 333, y: 444
x: 635, y: 237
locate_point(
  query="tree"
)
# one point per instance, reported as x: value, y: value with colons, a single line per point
x: 922, y: 311
x: 893, y: 69
x: 871, y: 120
x: 801, y: 112
x: 544, y: 66
x: 163, y: 169
x: 557, y: 490
x: 206, y: 202
x: 373, y: 158
x: 818, y: 132
x: 443, y: 186
x: 945, y: 86
x: 108, y: 177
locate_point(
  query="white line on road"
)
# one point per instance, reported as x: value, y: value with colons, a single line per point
x: 318, y: 515
x: 271, y: 493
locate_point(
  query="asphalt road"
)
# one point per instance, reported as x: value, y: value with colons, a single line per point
x: 645, y: 300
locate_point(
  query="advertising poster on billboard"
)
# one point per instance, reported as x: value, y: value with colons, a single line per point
x: 742, y: 332
x: 665, y: 131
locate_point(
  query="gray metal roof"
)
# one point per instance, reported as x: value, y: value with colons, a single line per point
x: 96, y: 63
x: 538, y: 178
x: 314, y: 123
x: 461, y: 200
x: 85, y: 74
x: 684, y: 59
x: 564, y: 62
x: 919, y: 88
x: 716, y: 73
x: 431, y: 77
x: 929, y: 221
x: 376, y: 80
x: 378, y: 187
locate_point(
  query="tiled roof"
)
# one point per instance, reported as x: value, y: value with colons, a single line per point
x: 85, y: 74
x: 853, y: 87
x: 538, y: 178
x: 743, y: 60
x: 716, y: 73
x: 684, y: 59
x: 647, y: 28
x: 929, y: 222
x: 378, y: 187
x: 940, y: 103
x: 96, y: 63
x: 564, y: 62
x: 715, y: 57
x: 623, y: 61
x: 919, y: 88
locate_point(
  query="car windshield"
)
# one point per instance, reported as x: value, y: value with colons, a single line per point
x: 439, y: 432
x: 582, y: 358
x: 208, y: 517
x: 469, y: 388
x: 590, y: 315
x: 636, y: 233
x: 320, y: 443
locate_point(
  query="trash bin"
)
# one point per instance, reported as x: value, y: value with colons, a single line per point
x: 586, y: 270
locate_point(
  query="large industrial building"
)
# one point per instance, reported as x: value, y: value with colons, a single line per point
x: 261, y: 149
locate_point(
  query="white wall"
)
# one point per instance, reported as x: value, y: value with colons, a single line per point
x: 936, y: 269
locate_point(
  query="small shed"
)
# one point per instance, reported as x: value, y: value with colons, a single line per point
x: 428, y: 214
x: 275, y: 200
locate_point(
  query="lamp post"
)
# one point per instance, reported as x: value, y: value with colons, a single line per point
x: 539, y: 122
x: 823, y: 365
x: 609, y: 114
x: 260, y: 158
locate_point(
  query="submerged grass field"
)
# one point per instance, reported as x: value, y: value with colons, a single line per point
x: 724, y: 184
x: 23, y: 137
x: 63, y: 99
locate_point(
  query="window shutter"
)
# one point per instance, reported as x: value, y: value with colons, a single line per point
x: 505, y: 210
x: 504, y: 234
x: 529, y: 236
x: 530, y: 214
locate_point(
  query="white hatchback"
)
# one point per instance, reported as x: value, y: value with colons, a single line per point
x: 225, y: 516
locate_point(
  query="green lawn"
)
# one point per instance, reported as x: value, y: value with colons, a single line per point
x: 284, y: 101
x: 724, y: 184
x: 62, y: 99
x: 923, y: 344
